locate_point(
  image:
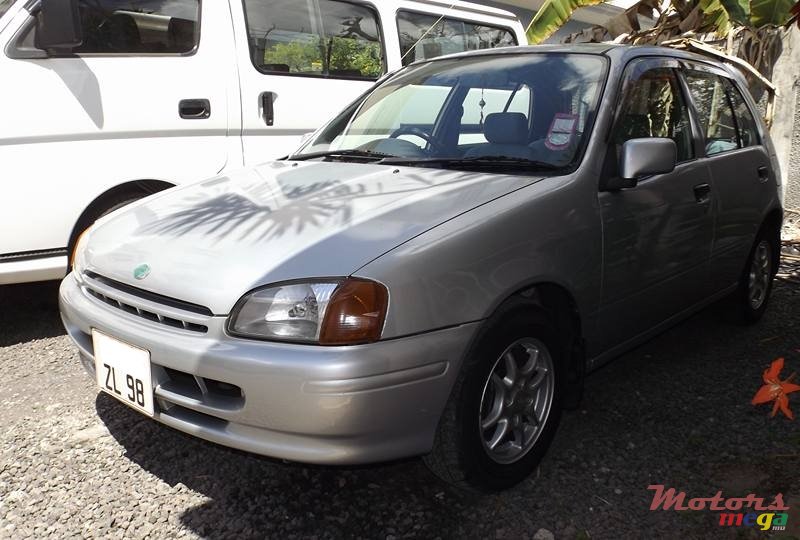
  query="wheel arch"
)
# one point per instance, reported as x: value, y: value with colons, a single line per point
x: 774, y: 221
x: 561, y: 308
x: 101, y: 203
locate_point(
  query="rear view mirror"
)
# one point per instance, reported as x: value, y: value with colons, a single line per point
x: 643, y: 157
x: 58, y: 25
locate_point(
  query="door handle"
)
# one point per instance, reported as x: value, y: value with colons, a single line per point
x: 268, y: 107
x: 194, y: 109
x: 763, y: 173
x: 702, y: 193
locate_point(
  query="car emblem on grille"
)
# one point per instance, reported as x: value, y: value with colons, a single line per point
x: 141, y: 271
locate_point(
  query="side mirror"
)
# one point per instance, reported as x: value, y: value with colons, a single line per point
x: 58, y: 25
x: 643, y: 157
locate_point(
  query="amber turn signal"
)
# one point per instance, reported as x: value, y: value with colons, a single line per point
x: 355, y: 314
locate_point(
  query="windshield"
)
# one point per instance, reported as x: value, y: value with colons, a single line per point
x: 5, y: 5
x: 522, y: 111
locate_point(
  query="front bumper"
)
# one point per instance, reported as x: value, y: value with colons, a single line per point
x: 313, y: 404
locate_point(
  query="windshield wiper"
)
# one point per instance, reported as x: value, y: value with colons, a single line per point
x: 483, y: 162
x: 336, y: 154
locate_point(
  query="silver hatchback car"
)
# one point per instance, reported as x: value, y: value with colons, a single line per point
x: 436, y: 269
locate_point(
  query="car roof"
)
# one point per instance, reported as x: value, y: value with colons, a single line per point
x: 616, y: 52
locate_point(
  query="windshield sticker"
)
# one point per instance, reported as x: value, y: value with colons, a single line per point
x: 561, y: 131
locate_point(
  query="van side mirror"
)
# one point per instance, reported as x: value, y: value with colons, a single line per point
x: 58, y: 25
x: 643, y: 157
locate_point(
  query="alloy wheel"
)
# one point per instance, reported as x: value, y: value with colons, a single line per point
x: 516, y: 401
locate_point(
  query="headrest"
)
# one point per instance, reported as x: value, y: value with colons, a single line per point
x: 506, y: 128
x: 181, y: 35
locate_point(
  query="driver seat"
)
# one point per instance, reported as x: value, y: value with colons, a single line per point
x: 507, y: 133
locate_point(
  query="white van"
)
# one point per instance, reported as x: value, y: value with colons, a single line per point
x: 105, y: 101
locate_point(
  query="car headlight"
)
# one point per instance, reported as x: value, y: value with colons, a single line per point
x: 78, y: 260
x: 326, y: 312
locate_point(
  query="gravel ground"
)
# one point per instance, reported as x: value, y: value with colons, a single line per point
x: 676, y: 411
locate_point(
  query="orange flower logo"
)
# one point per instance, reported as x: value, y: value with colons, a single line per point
x: 776, y: 390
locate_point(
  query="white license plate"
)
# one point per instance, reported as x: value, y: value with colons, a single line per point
x: 123, y: 371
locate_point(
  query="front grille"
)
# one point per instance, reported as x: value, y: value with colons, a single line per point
x: 150, y: 296
x: 218, y: 394
x: 152, y: 314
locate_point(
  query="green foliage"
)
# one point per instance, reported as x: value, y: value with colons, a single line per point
x: 553, y: 15
x: 337, y: 53
x: 300, y: 56
x: 721, y: 15
x: 765, y: 12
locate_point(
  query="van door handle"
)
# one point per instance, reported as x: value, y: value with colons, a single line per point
x: 194, y: 109
x: 763, y: 173
x: 268, y: 107
x: 702, y: 193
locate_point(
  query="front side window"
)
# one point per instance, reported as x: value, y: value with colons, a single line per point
x: 714, y: 111
x: 324, y: 38
x: 428, y: 36
x: 139, y: 26
x: 653, y: 106
x: 476, y: 111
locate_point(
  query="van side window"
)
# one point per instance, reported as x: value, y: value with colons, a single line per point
x: 139, y: 26
x: 5, y: 5
x: 748, y: 132
x: 324, y: 38
x: 654, y: 106
x: 714, y: 111
x: 428, y: 36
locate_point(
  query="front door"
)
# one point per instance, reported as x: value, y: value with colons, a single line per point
x: 302, y: 62
x: 657, y: 235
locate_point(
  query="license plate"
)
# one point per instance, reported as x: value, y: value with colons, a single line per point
x: 123, y: 371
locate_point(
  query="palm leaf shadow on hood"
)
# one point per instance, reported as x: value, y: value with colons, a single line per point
x: 270, y: 208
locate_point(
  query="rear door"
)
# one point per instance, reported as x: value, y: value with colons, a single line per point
x: 300, y: 64
x: 657, y: 235
x: 740, y: 167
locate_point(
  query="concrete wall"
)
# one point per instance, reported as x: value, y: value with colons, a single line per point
x: 786, y: 123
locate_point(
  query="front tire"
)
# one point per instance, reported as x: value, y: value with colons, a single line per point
x: 505, y: 407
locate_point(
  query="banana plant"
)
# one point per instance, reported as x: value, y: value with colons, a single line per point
x: 679, y: 17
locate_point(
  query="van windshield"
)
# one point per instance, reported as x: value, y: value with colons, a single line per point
x: 512, y: 111
x: 5, y: 5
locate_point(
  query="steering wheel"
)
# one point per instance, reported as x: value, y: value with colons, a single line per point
x: 422, y: 134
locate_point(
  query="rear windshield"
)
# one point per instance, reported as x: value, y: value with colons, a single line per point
x: 4, y: 6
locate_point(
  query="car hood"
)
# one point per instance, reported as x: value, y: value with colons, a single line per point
x: 210, y: 242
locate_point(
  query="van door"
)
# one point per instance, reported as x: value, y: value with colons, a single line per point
x: 300, y: 64
x: 145, y: 97
x: 656, y: 236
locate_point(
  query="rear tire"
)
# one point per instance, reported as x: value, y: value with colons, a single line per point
x: 505, y: 406
x: 755, y: 284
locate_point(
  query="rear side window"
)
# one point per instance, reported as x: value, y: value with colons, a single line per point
x: 425, y: 36
x: 654, y: 106
x: 716, y: 99
x: 323, y: 38
x: 748, y: 132
x: 139, y: 26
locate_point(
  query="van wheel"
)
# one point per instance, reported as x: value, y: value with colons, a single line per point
x: 755, y: 285
x: 505, y: 407
x: 108, y: 205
